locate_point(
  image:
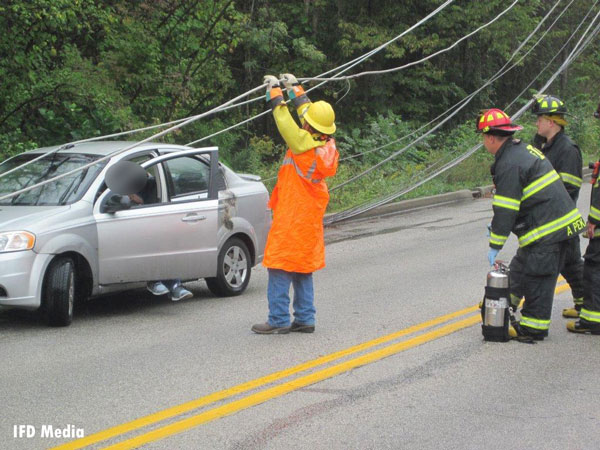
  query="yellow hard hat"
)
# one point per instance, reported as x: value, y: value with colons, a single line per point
x: 321, y: 117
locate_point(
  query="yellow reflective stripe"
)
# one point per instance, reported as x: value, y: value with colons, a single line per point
x: 506, y: 202
x: 550, y: 227
x: 497, y: 239
x: 571, y: 179
x: 594, y: 213
x: 538, y: 324
x: 590, y: 316
x: 540, y: 184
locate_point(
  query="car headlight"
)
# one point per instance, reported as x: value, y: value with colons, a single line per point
x: 15, y: 241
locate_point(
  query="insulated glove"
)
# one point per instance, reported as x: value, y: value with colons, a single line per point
x: 492, y: 253
x: 294, y: 89
x: 271, y: 80
x: 289, y: 80
x: 274, y: 95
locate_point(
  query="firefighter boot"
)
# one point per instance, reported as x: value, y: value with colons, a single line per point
x: 583, y: 327
x: 573, y: 313
x: 522, y: 334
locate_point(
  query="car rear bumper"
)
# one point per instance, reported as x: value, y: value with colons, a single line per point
x: 20, y: 279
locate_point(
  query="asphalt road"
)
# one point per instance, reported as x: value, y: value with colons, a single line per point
x: 439, y: 386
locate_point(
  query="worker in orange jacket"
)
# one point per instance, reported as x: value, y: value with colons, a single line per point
x: 295, y: 245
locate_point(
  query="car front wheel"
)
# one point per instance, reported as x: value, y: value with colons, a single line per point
x: 59, y: 292
x: 234, y: 269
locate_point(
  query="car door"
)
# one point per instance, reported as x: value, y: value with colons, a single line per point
x: 172, y: 232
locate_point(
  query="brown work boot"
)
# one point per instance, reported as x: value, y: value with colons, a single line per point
x: 301, y: 328
x: 265, y: 328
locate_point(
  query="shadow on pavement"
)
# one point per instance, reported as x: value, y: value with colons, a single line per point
x: 136, y: 302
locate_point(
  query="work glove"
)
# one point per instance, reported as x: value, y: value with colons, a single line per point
x: 492, y: 253
x: 274, y: 95
x: 294, y: 89
x: 489, y: 229
x: 271, y: 81
x: 289, y: 80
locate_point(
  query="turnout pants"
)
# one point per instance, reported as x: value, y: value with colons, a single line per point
x: 533, y: 274
x: 573, y: 269
x: 590, y: 311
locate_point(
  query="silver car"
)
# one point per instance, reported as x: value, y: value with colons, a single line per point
x: 76, y: 238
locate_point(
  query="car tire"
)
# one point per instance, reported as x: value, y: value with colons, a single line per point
x: 234, y: 269
x: 59, y: 292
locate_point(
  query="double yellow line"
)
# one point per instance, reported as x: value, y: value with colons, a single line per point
x: 279, y: 389
x: 275, y: 391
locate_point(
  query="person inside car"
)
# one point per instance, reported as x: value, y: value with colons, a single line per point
x: 148, y: 195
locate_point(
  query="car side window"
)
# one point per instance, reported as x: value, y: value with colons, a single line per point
x: 187, y: 176
x: 151, y: 193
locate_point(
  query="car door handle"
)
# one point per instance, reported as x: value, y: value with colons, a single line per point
x: 193, y: 218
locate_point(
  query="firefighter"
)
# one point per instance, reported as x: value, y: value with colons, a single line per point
x: 589, y: 315
x: 566, y: 159
x: 295, y: 244
x: 531, y: 201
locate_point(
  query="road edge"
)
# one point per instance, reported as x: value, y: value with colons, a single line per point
x: 430, y: 201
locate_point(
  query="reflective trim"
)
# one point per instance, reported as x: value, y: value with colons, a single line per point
x: 551, y: 227
x: 535, y: 323
x: 578, y: 300
x: 290, y: 161
x: 540, y: 184
x: 311, y: 170
x: 571, y: 179
x: 497, y: 239
x: 590, y: 316
x: 506, y: 202
x: 594, y: 213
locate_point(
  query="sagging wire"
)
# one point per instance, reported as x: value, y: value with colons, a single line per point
x: 414, y: 63
x: 555, y: 55
x: 367, y: 55
x: 319, y: 77
x: 187, y: 120
x: 577, y: 50
x: 467, y: 99
x: 222, y: 107
x: 459, y: 106
x: 345, y: 67
x: 184, y: 122
x: 348, y: 87
x: 456, y: 104
x: 107, y: 157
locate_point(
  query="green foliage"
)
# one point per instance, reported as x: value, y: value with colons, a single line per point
x: 73, y: 69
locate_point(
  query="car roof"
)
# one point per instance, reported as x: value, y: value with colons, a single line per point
x: 103, y: 148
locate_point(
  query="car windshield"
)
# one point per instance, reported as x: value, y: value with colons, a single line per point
x: 60, y: 192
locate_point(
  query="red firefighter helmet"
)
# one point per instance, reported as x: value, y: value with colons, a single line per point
x: 496, y: 120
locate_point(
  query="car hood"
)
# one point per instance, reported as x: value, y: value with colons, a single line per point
x: 14, y: 218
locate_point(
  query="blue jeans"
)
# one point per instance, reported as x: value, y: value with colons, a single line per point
x: 278, y: 293
x: 171, y: 284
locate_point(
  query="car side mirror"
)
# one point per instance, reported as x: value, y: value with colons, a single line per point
x: 115, y: 202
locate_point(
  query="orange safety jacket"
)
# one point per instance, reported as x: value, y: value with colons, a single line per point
x: 295, y: 242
